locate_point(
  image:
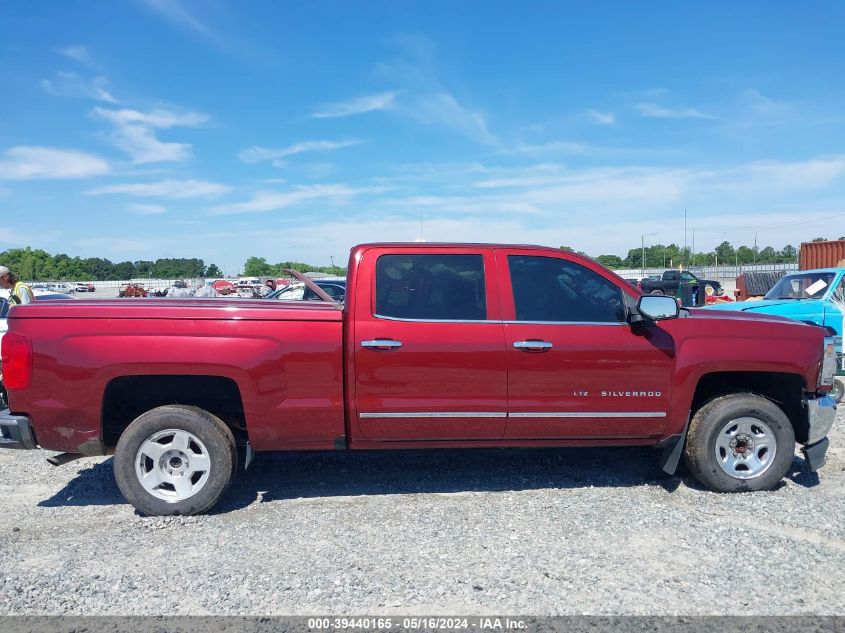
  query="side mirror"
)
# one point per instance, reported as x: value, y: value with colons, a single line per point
x: 658, y: 307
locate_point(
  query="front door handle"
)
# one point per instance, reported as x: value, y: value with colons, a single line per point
x: 533, y: 345
x: 382, y: 344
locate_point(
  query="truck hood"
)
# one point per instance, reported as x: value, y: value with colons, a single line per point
x: 190, y: 309
x: 719, y: 313
x: 795, y: 308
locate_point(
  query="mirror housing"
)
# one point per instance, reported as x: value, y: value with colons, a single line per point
x: 657, y: 307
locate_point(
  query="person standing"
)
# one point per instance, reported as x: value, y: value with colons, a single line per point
x: 20, y: 292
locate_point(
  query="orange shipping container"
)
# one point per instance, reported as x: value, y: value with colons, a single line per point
x: 830, y: 254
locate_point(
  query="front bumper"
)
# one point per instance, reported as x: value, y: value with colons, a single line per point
x: 16, y: 431
x: 821, y: 412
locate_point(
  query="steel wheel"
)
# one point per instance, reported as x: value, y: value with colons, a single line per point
x: 838, y: 389
x: 172, y: 465
x: 745, y: 448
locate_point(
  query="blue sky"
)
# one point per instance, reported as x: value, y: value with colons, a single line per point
x: 219, y: 129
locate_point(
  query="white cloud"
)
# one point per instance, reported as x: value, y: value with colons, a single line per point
x: 551, y: 147
x: 49, y: 163
x: 602, y: 118
x: 134, y: 133
x: 69, y: 84
x: 656, y: 111
x: 172, y: 189
x: 77, y: 53
x: 766, y: 176
x: 442, y: 108
x: 359, y: 105
x: 157, y: 118
x: 264, y: 201
x: 147, y: 209
x: 175, y: 11
x: 258, y: 154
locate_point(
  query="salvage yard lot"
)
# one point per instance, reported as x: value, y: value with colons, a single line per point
x: 503, y: 531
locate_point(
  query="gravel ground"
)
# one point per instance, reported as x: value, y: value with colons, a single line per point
x: 496, y: 531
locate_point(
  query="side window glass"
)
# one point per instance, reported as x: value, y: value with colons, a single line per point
x: 295, y: 293
x: 439, y: 287
x: 550, y: 289
x: 840, y: 291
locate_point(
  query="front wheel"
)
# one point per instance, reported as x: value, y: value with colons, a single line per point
x: 175, y: 460
x: 656, y: 291
x: 740, y: 442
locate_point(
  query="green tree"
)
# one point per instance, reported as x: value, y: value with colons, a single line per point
x: 726, y: 253
x: 213, y: 271
x: 611, y: 261
x: 788, y: 254
x: 767, y: 256
x: 258, y: 267
x: 124, y: 271
x: 745, y: 255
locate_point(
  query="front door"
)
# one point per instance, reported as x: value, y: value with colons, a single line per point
x: 429, y: 353
x: 576, y: 368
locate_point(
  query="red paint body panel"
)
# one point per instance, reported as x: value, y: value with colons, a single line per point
x: 289, y: 372
x: 441, y: 367
x: 306, y: 381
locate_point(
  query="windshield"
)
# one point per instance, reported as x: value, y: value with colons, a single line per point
x: 801, y: 286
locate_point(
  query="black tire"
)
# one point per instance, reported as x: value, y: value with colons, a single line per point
x: 708, y: 422
x: 657, y: 291
x: 216, y: 438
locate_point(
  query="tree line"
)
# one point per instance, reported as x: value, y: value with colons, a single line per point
x: 673, y: 256
x: 38, y: 265
x: 260, y: 267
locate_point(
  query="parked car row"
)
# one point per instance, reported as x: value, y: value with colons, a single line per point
x: 63, y: 287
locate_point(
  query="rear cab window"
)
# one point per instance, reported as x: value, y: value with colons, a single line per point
x: 431, y: 286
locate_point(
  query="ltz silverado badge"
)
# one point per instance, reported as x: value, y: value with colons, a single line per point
x: 621, y: 394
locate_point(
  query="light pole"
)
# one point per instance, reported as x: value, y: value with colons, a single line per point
x: 642, y: 241
x: 642, y: 261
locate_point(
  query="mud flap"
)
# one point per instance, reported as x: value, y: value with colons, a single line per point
x: 673, y: 447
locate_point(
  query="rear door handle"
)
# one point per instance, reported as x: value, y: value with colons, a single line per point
x: 533, y: 345
x: 382, y: 344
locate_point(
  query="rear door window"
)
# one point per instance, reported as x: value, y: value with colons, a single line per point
x: 431, y: 287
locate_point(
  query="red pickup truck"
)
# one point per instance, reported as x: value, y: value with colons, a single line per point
x: 437, y: 345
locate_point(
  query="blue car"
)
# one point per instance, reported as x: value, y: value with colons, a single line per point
x: 812, y: 296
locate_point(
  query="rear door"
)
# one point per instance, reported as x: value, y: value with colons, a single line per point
x: 576, y: 368
x: 429, y: 357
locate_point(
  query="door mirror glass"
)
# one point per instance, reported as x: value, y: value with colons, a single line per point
x: 658, y: 307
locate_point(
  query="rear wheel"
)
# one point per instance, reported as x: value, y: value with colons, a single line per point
x: 740, y: 442
x: 175, y: 460
x: 656, y: 291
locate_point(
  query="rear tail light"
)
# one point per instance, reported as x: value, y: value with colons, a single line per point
x: 16, y: 355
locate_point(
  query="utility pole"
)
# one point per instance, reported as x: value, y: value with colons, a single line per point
x: 642, y: 268
x: 755, y: 247
x: 693, y: 247
x: 685, y: 232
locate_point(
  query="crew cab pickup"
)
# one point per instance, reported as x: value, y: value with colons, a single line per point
x: 682, y: 283
x: 436, y: 345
